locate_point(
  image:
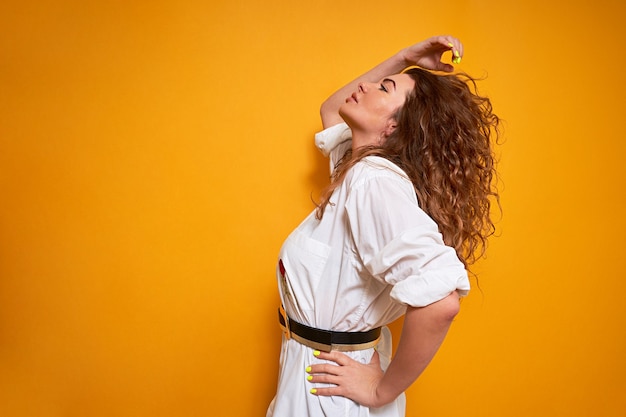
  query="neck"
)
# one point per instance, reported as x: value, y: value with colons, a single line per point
x: 361, y: 139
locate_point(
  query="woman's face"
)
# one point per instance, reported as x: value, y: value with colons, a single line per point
x: 369, y: 110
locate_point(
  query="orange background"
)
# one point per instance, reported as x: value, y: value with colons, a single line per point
x: 154, y: 155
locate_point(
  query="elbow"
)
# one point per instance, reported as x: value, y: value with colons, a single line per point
x: 329, y: 112
x: 326, y: 109
x: 450, y: 307
x: 437, y: 315
x: 446, y: 309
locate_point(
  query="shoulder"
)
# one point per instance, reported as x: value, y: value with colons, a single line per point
x: 378, y: 169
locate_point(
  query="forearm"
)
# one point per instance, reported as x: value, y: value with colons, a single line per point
x: 330, y: 108
x: 426, y: 54
x: 423, y: 332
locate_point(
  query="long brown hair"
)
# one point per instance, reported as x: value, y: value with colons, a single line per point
x: 443, y: 141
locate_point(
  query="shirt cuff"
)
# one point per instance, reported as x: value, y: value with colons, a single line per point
x: 328, y: 139
x: 420, y: 291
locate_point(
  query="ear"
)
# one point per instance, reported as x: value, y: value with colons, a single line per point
x: 390, y: 127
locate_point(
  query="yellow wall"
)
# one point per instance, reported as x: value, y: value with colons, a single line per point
x: 154, y: 154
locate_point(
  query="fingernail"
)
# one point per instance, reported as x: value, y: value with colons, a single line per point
x: 450, y: 45
x: 456, y: 53
x: 308, y: 369
x: 316, y: 353
x: 309, y: 378
x: 313, y: 391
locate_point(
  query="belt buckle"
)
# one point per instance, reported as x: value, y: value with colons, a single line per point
x: 286, y: 329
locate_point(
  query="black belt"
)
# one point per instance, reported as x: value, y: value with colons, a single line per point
x: 327, y: 340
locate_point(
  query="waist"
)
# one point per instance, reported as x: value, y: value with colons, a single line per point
x: 327, y: 340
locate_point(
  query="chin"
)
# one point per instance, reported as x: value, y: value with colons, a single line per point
x: 345, y: 115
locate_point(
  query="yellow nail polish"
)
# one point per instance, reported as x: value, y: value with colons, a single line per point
x: 313, y: 391
x: 456, y: 54
x: 316, y: 353
x: 308, y: 369
x: 309, y: 378
x: 450, y: 44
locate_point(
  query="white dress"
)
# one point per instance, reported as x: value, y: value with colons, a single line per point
x: 373, y: 253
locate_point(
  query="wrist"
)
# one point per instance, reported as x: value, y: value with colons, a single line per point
x: 402, y: 58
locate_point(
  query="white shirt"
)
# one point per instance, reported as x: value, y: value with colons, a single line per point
x: 374, y: 252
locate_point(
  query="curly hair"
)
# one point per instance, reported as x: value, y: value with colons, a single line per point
x: 443, y: 142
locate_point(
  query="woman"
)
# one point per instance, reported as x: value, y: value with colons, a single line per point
x: 406, y: 212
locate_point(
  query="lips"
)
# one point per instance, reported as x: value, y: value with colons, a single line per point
x: 354, y: 97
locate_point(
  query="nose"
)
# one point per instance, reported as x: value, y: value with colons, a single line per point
x: 363, y: 87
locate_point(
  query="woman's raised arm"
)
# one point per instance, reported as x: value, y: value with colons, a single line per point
x: 426, y: 54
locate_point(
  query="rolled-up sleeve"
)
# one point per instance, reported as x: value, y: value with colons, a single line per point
x: 329, y: 138
x: 333, y: 142
x: 397, y: 241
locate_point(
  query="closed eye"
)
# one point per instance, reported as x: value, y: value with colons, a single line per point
x: 387, y: 80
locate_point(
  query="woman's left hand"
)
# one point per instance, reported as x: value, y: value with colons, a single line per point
x: 352, y: 379
x: 427, y: 53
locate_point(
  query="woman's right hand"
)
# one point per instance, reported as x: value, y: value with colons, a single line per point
x: 427, y: 54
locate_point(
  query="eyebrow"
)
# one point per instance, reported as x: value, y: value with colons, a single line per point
x: 390, y: 81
